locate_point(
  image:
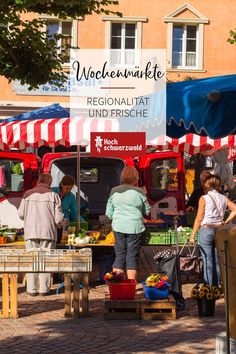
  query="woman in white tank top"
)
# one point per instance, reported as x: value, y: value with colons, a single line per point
x: 211, y: 210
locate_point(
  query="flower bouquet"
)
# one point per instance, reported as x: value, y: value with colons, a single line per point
x: 206, y: 296
x: 156, y: 287
x: 206, y: 291
x: 113, y: 277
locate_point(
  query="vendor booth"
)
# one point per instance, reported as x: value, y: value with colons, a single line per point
x: 207, y: 107
x: 195, y: 124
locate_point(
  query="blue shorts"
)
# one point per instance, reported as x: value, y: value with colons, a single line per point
x: 127, y: 247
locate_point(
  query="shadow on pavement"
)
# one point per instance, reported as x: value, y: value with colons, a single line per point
x: 49, y: 332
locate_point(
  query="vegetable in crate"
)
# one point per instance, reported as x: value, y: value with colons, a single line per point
x: 82, y: 233
x: 104, y: 231
x: 93, y: 240
x: 82, y: 237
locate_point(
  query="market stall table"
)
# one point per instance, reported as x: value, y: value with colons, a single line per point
x: 147, y: 265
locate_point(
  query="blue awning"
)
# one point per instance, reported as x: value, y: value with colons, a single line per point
x: 206, y: 107
x: 48, y: 112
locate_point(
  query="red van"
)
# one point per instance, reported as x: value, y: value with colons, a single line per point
x: 161, y: 173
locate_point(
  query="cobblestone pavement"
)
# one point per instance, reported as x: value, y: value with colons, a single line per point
x: 42, y: 328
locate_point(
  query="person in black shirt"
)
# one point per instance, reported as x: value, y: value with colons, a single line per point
x: 192, y: 203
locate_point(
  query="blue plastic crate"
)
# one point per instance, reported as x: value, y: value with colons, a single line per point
x: 152, y: 293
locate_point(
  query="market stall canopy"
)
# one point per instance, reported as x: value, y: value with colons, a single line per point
x: 194, y: 144
x: 62, y: 131
x: 48, y: 112
x: 33, y: 128
x: 48, y: 127
x: 205, y: 107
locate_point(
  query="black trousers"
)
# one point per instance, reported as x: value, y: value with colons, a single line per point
x: 59, y: 235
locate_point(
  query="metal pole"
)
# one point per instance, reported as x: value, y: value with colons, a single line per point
x: 176, y: 234
x: 226, y: 297
x: 78, y: 184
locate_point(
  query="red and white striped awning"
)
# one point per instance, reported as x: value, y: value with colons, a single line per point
x: 51, y: 132
x: 64, y: 131
x: 194, y: 144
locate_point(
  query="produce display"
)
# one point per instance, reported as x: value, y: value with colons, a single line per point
x: 155, y: 223
x: 157, y: 233
x: 104, y: 236
x: 10, y: 234
x: 69, y: 237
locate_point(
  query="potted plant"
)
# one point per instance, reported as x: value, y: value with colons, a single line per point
x: 206, y: 295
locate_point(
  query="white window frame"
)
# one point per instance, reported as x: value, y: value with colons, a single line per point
x: 138, y: 21
x: 123, y: 37
x: 198, y: 20
x: 184, y: 45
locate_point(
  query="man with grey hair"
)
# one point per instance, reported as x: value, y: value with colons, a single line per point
x: 41, y: 211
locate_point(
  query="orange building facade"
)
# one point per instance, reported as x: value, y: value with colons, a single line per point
x: 194, y: 35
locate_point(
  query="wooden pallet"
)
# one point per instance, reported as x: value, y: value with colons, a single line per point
x: 122, y: 309
x: 158, y: 309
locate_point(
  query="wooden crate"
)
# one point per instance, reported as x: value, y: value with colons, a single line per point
x: 9, y: 296
x: 122, y: 309
x: 158, y: 309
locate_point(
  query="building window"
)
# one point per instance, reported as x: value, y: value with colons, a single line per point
x: 123, y: 43
x: 184, y: 46
x: 185, y: 38
x: 61, y: 28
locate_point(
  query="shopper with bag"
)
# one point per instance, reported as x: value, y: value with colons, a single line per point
x: 211, y: 211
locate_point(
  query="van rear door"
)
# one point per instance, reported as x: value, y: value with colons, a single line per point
x: 18, y: 173
x: 163, y: 175
x: 97, y: 175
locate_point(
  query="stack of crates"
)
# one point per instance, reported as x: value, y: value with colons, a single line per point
x: 158, y: 238
x: 167, y: 237
x: 183, y: 236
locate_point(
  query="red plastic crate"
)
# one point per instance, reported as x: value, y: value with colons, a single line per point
x: 123, y: 291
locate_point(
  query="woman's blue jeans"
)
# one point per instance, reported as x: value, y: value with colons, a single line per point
x: 209, y: 255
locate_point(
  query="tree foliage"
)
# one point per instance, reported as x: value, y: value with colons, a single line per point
x: 232, y: 37
x: 26, y: 52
